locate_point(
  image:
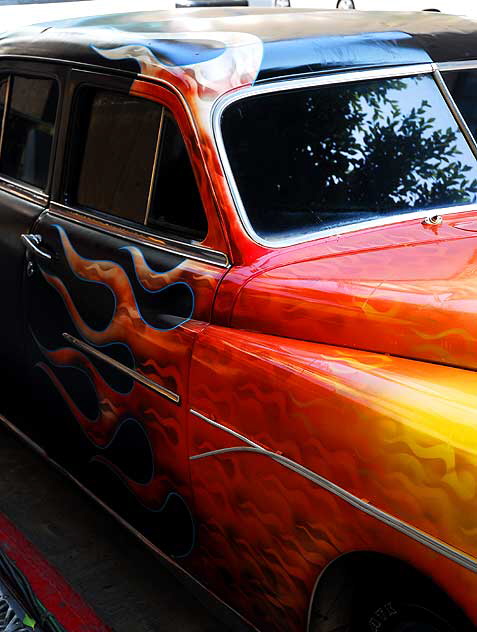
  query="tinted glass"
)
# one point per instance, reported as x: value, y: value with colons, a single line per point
x: 116, y: 137
x: 29, y: 130
x: 327, y: 156
x: 176, y: 206
x: 462, y: 85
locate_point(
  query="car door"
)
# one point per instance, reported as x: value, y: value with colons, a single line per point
x: 122, y: 286
x: 29, y: 97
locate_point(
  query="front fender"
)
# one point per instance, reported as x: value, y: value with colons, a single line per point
x: 397, y: 435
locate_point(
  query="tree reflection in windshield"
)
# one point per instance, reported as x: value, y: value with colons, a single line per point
x: 331, y: 155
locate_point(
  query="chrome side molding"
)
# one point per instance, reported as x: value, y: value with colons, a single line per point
x: 461, y: 558
x: 138, y: 377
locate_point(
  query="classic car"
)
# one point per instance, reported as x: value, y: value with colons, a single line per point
x: 455, y: 7
x: 239, y: 263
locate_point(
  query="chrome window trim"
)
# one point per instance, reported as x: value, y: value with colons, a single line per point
x: 135, y: 375
x: 5, y: 111
x: 451, y: 103
x: 24, y: 191
x: 152, y: 181
x: 447, y: 66
x: 145, y: 238
x: 467, y: 561
x: 336, y: 78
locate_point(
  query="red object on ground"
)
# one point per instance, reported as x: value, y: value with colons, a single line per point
x: 74, y: 614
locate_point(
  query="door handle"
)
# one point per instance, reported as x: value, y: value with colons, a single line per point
x: 32, y: 244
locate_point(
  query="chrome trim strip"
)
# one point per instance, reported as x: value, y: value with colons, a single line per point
x: 152, y: 180
x: 229, y: 430
x: 5, y: 111
x: 452, y: 105
x: 173, y: 566
x: 456, y: 65
x: 23, y: 191
x: 342, y: 77
x: 436, y: 545
x: 189, y: 251
x: 154, y: 386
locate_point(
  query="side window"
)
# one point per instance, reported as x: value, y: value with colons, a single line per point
x: 176, y: 206
x: 462, y: 85
x: 115, y: 138
x: 29, y: 128
x: 322, y: 157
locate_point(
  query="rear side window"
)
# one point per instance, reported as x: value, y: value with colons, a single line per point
x: 29, y: 127
x: 116, y: 137
x: 327, y: 156
x: 129, y: 160
x: 176, y: 206
x: 462, y: 85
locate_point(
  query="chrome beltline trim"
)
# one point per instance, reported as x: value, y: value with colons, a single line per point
x: 23, y: 191
x: 325, y: 79
x: 161, y: 390
x: 430, y: 542
x: 189, y: 251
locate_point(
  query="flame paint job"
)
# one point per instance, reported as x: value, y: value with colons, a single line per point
x: 391, y: 430
x: 295, y: 348
x: 404, y: 290
x: 132, y: 432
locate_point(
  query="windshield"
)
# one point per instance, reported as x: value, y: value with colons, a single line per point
x: 327, y: 156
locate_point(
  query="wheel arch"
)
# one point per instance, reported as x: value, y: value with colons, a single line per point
x: 374, y: 562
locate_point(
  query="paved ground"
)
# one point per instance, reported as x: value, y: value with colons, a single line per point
x: 128, y: 588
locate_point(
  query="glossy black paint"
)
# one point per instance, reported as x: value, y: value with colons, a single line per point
x: 128, y: 457
x: 16, y: 217
x: 294, y: 41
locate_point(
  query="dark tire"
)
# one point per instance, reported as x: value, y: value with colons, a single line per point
x: 399, y: 616
x: 345, y: 4
x: 382, y: 595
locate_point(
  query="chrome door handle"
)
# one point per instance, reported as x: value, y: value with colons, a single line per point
x: 32, y: 243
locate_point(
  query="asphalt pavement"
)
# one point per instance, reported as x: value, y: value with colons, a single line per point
x: 129, y: 588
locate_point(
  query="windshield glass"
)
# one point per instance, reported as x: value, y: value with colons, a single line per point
x: 327, y: 156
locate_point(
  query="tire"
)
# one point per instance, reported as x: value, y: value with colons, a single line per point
x: 345, y: 4
x: 382, y: 595
x: 397, y: 616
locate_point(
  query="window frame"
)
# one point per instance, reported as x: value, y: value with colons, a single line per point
x: 84, y: 79
x: 348, y: 76
x: 31, y: 69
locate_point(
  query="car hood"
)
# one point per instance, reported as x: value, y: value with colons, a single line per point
x: 407, y: 291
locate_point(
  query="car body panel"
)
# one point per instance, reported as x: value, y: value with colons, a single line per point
x: 374, y: 425
x: 137, y: 306
x: 408, y: 290
x: 300, y: 434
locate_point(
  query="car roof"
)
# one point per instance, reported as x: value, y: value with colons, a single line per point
x: 228, y: 47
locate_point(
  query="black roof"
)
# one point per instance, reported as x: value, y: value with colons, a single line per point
x: 291, y: 41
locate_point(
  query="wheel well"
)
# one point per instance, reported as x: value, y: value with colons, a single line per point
x: 359, y: 575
